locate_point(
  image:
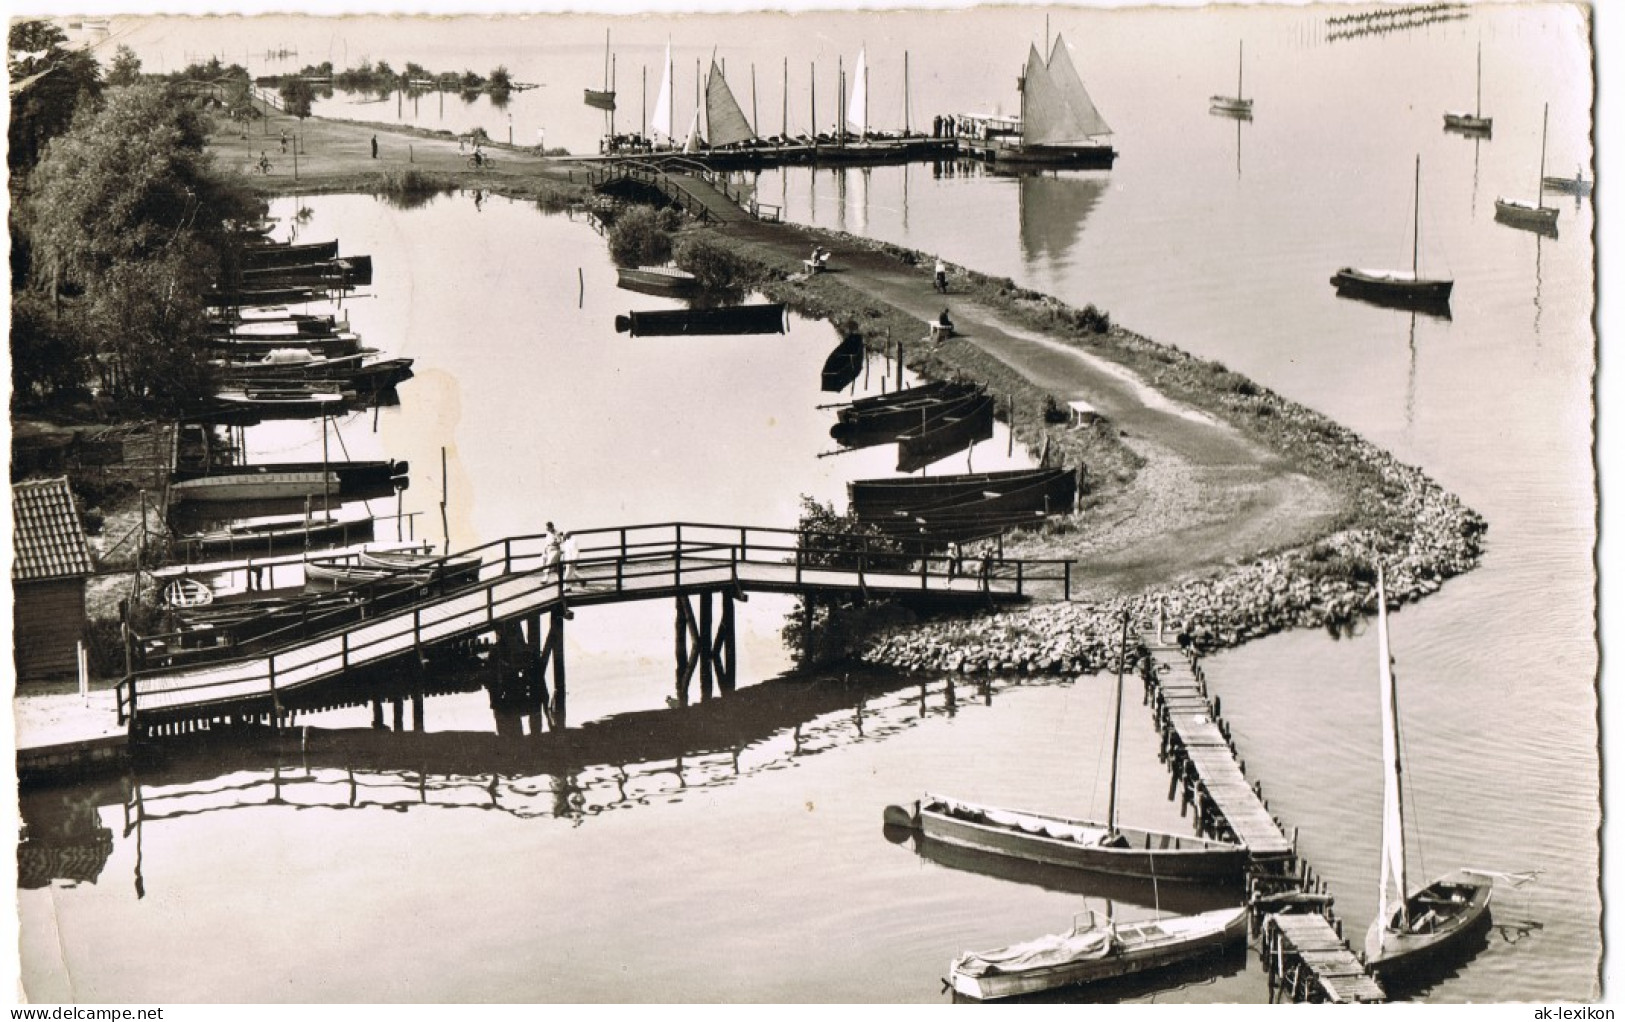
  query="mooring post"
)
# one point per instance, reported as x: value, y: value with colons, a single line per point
x: 555, y: 640
x: 399, y: 709
x: 706, y: 648
x: 729, y: 648
x: 681, y: 650
x: 378, y: 713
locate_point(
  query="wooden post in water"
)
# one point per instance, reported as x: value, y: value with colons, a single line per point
x: 706, y: 649
x: 899, y: 365
x: 445, y: 525
x: 681, y: 650
x: 556, y: 642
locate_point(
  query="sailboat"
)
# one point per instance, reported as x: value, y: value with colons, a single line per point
x: 1474, y: 123
x: 1418, y: 927
x: 1059, y: 122
x: 1539, y: 216
x: 1233, y: 106
x: 1098, y: 847
x: 725, y: 122
x: 1406, y: 289
x: 857, y: 106
x: 661, y: 125
x: 603, y: 99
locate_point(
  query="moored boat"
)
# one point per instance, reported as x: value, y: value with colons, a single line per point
x: 946, y: 432
x: 871, y: 498
x: 656, y: 280
x: 1233, y: 106
x: 1535, y: 216
x: 1060, y: 124
x: 1401, y: 288
x: 1474, y: 123
x: 1094, y: 950
x: 284, y: 254
x: 884, y: 424
x: 252, y: 484
x: 733, y: 319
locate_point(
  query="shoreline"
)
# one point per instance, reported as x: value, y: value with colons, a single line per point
x: 1238, y: 512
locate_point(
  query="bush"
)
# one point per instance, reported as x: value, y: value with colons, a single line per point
x: 408, y: 187
x: 637, y: 240
x: 715, y: 267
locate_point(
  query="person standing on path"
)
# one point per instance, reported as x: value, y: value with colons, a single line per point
x: 569, y: 552
x: 375, y: 147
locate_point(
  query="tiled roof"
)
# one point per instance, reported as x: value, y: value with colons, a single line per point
x: 47, y: 535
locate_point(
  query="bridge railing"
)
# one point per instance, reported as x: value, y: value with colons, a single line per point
x: 516, y: 577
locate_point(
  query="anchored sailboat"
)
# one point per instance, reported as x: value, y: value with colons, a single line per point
x: 1416, y: 928
x: 661, y: 126
x: 1538, y: 217
x: 1233, y: 106
x: 1405, y: 289
x: 725, y: 122
x: 857, y: 106
x: 1060, y: 125
x: 1474, y: 123
x: 603, y: 99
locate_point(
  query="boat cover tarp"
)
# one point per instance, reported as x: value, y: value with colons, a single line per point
x: 1048, y: 951
x: 1026, y: 823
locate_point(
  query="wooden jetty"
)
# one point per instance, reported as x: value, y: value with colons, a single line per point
x: 1301, y: 938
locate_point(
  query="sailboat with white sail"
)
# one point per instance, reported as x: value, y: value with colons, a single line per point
x: 660, y: 127
x: 1102, y: 847
x: 1414, y: 929
x: 1536, y: 216
x: 1060, y: 125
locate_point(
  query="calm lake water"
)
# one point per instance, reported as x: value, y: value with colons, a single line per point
x: 649, y: 858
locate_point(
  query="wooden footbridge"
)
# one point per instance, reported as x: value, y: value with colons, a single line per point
x: 1302, y: 943
x: 698, y: 190
x: 324, y: 650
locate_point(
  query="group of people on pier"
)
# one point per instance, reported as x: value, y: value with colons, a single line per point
x: 560, y: 553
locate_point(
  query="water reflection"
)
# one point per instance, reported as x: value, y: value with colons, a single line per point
x: 1052, y: 209
x: 619, y: 762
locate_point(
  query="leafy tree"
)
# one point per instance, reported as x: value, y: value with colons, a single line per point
x: 240, y: 104
x: 126, y: 67
x: 48, y: 81
x: 501, y: 80
x: 297, y: 97
x: 637, y: 240
x: 47, y: 357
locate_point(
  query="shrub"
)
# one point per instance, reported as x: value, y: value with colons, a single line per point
x: 637, y: 240
x: 715, y: 267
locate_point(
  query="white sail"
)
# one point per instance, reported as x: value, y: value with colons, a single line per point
x: 857, y: 108
x: 692, y: 145
x: 1393, y: 809
x: 1066, y: 81
x: 661, y: 125
x: 724, y: 122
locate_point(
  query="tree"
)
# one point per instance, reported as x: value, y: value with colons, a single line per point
x: 297, y: 96
x: 49, y: 82
x: 126, y: 67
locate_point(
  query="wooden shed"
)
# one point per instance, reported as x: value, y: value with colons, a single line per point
x: 48, y: 576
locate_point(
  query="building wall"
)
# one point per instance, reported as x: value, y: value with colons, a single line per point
x: 50, y: 622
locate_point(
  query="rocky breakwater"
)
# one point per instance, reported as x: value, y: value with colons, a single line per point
x: 1421, y: 535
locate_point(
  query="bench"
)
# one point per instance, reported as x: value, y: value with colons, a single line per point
x: 941, y: 331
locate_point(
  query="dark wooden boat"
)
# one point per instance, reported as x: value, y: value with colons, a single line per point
x: 940, y: 529
x: 734, y: 319
x: 347, y: 371
x: 1059, y: 121
x: 876, y: 402
x: 352, y: 271
x: 351, y: 476
x: 874, y: 498
x: 293, y: 324
x: 954, y: 429
x: 238, y: 348
x: 1531, y: 216
x: 226, y: 297
x: 296, y: 400
x: 844, y: 365
x: 271, y: 535
x: 599, y: 99
x: 1474, y: 123
x: 884, y: 423
x: 1398, y: 288
x: 992, y: 512
x: 284, y: 254
x: 1577, y: 185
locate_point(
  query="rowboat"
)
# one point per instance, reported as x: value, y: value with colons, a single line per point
x: 252, y: 484
x: 260, y: 347
x: 1093, y: 847
x: 351, y: 476
x: 940, y: 435
x: 734, y: 319
x: 279, y: 533
x: 281, y: 400
x: 875, y: 498
x: 900, y: 415
x: 875, y: 402
x: 1094, y: 950
x: 656, y: 280
x: 1577, y: 185
x: 223, y: 297
x: 282, y: 254
x: 844, y: 365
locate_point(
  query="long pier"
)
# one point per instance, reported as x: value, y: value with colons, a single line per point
x: 1301, y: 942
x: 325, y: 650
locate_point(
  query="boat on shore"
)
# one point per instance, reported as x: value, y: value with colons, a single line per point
x: 1399, y: 288
x: 251, y: 484
x: 279, y: 533
x: 281, y: 253
x: 945, y: 432
x: 725, y: 320
x: 1094, y: 950
x: 1414, y: 929
x: 352, y: 476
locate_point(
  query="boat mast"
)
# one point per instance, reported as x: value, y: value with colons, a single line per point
x: 1478, y: 87
x: 1416, y: 217
x: 1540, y: 189
x: 1117, y: 730
x: 1393, y: 817
x: 784, y: 101
x: 1238, y: 69
x: 905, y: 92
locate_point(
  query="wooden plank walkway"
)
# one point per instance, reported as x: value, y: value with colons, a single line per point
x: 1189, y: 713
x: 619, y: 565
x: 1311, y: 963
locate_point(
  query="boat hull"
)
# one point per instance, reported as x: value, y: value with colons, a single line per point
x: 655, y: 280
x: 1169, y: 858
x: 1540, y: 219
x: 1136, y: 948
x: 1464, y: 901
x: 256, y: 486
x: 1087, y: 157
x: 731, y: 320
x: 1231, y: 106
x: 1394, y: 290
x: 1467, y: 124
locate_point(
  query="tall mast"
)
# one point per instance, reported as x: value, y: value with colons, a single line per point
x: 784, y: 100
x: 1393, y: 817
x: 812, y: 96
x: 1540, y: 184
x: 1117, y: 729
x: 1416, y: 216
x: 905, y: 92
x: 755, y: 121
x: 1478, y: 88
x: 1239, y: 47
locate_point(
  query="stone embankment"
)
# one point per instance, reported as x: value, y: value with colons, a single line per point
x: 1428, y: 537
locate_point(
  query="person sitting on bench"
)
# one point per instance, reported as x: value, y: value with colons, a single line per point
x: 943, y: 328
x: 819, y: 261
